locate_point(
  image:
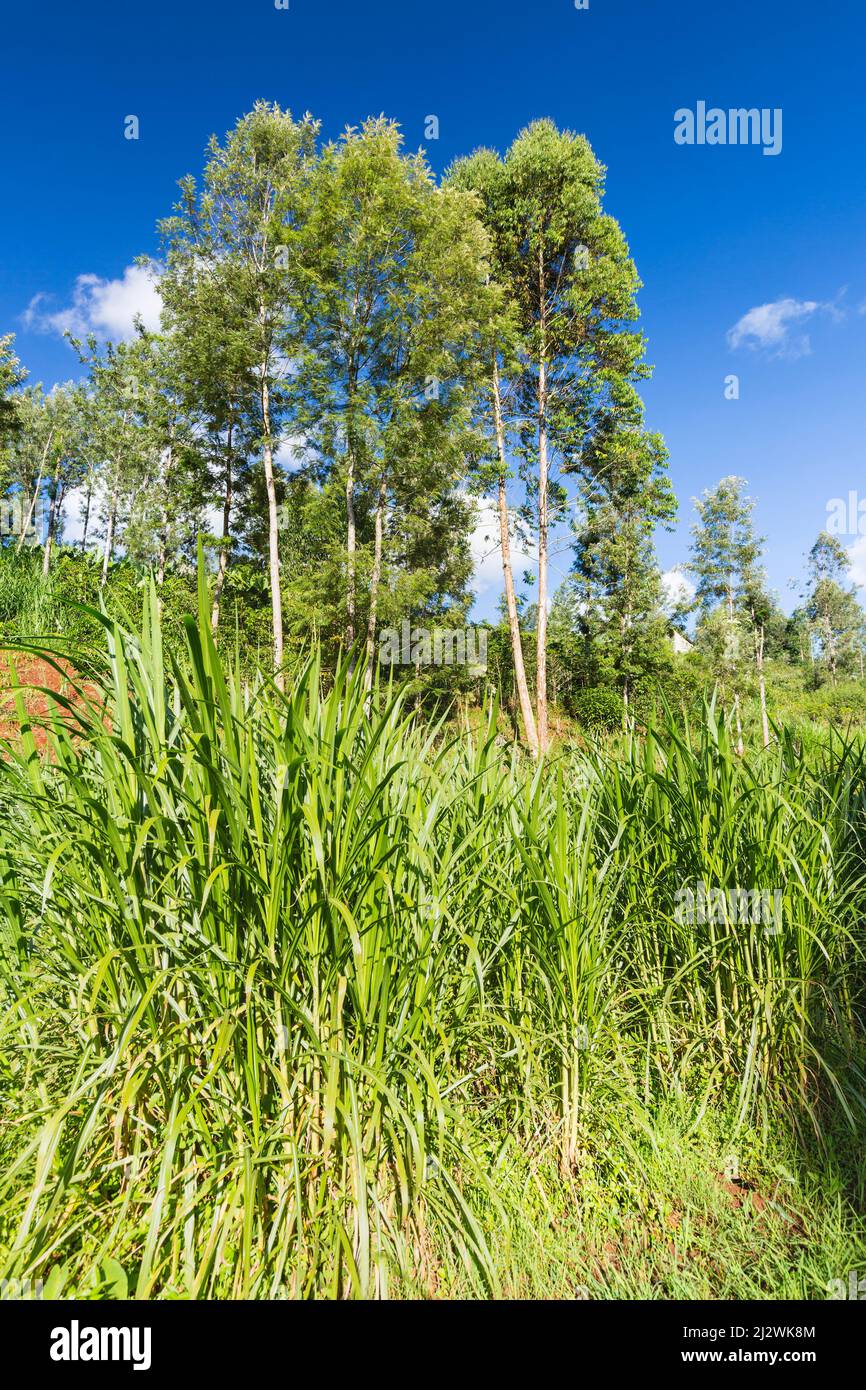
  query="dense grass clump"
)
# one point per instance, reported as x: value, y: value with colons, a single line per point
x: 305, y: 997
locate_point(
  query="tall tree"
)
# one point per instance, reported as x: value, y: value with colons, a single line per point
x: 836, y: 617
x: 236, y: 227
x: 482, y: 174
x: 12, y: 376
x: 625, y: 493
x: 217, y: 380
x: 117, y: 375
x: 67, y: 408
x: 165, y: 509
x: 725, y: 555
x: 564, y: 265
x: 44, y: 460
x: 392, y: 282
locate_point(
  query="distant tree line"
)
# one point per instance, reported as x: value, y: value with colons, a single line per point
x: 349, y: 355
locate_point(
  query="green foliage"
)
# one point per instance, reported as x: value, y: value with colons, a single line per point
x: 298, y: 987
x: 598, y: 710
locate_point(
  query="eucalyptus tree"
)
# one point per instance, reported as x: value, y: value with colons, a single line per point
x: 836, y: 617
x: 44, y: 461
x: 393, y: 291
x: 117, y: 375
x: 66, y: 407
x: 216, y: 374
x: 565, y: 267
x: 761, y: 609
x: 12, y: 376
x: 725, y: 561
x: 29, y: 456
x: 625, y: 493
x: 166, y: 504
x: 482, y: 174
x: 233, y: 230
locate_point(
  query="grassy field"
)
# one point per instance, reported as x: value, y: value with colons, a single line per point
x: 305, y: 998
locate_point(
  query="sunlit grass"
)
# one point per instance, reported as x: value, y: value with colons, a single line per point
x: 306, y: 998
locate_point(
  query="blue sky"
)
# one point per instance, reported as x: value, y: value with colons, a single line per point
x: 718, y: 232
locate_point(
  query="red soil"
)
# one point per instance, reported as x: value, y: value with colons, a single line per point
x: 36, y: 676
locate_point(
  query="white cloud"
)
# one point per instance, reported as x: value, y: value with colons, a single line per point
x: 770, y: 326
x: 676, y: 589
x: 106, y: 308
x: 288, y: 454
x: 486, y: 554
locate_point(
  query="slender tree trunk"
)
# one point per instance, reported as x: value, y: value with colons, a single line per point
x: 35, y: 498
x: 224, y: 548
x: 351, y: 544
x: 530, y: 732
x: 737, y: 719
x: 52, y: 522
x: 87, y: 502
x: 109, y: 538
x: 831, y: 646
x: 762, y: 686
x: 541, y: 621
x: 273, y: 535
x: 162, y: 555
x: 351, y: 528
x: 625, y: 649
x: 375, y: 578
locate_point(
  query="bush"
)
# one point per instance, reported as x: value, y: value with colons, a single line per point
x: 598, y: 710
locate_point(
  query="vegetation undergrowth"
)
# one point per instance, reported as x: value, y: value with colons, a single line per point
x: 305, y: 997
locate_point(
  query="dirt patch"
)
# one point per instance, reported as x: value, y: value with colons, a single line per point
x: 36, y: 678
x: 739, y: 1191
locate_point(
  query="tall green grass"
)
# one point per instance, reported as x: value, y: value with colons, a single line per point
x: 300, y: 989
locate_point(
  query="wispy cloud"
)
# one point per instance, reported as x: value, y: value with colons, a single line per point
x: 677, y: 589
x: 107, y: 308
x: 773, y: 327
x: 486, y: 555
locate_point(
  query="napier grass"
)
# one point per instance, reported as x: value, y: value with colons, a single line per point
x: 305, y: 997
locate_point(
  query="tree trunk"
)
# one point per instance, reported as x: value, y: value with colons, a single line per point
x: 350, y: 553
x: 831, y: 645
x: 35, y: 498
x: 49, y: 535
x: 762, y: 687
x: 351, y: 528
x: 109, y: 538
x: 530, y: 732
x: 625, y: 650
x: 224, y: 548
x: 734, y: 658
x: 541, y: 620
x: 273, y: 535
x: 374, y: 583
x: 162, y: 554
x: 88, y: 499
